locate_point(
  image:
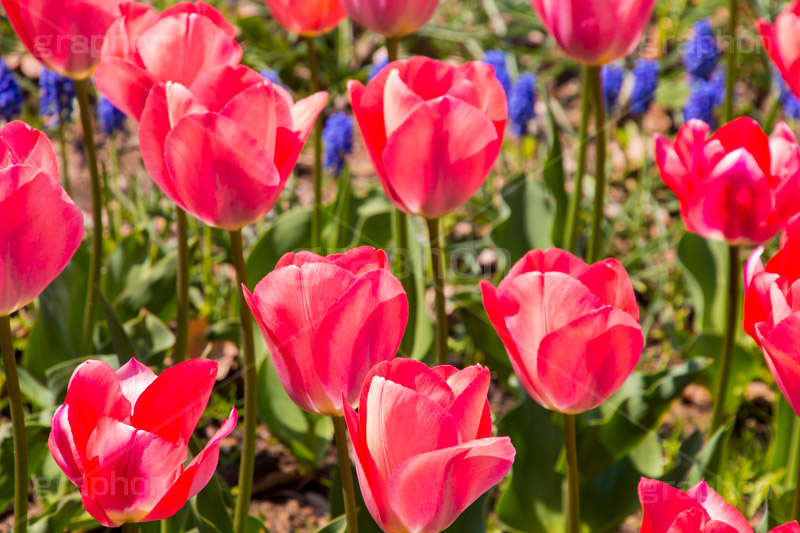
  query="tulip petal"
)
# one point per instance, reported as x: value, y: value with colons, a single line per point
x: 125, y: 84
x: 399, y: 102
x: 609, y: 281
x: 661, y: 504
x: 23, y: 145
x: 470, y: 386
x: 412, y: 375
x: 744, y: 132
x: 718, y: 509
x: 62, y: 446
x: 134, y: 378
x: 152, y: 137
x: 552, y: 260
x: 289, y: 144
x: 781, y: 353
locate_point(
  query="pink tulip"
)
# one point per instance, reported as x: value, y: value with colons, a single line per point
x: 699, y: 510
x: 41, y: 228
x: 122, y: 438
x: 571, y: 329
x: 392, y: 19
x: 738, y: 185
x: 595, y: 32
x: 781, y: 42
x: 307, y: 17
x: 772, y: 310
x: 144, y: 48
x: 223, y: 148
x: 327, y: 321
x: 433, y: 131
x: 65, y: 35
x: 423, y: 445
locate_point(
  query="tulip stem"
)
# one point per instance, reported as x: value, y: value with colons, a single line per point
x: 392, y: 48
x: 437, y: 262
x: 729, y: 342
x: 573, y: 488
x: 600, y: 166
x: 17, y: 425
x: 130, y: 527
x: 62, y: 141
x: 348, y: 489
x: 733, y: 58
x: 82, y: 92
x: 316, y: 217
x: 796, y: 499
x: 250, y: 384
x: 182, y: 331
x: 571, y: 229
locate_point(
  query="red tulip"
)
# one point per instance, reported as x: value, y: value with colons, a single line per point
x: 41, y: 228
x: 738, y: 185
x: 223, y: 148
x: 392, y: 19
x: 65, y: 35
x: 423, y: 445
x: 571, y: 329
x: 595, y: 32
x: 307, y: 17
x: 433, y: 131
x: 122, y: 438
x: 327, y: 321
x: 781, y: 43
x: 700, y: 510
x: 144, y: 48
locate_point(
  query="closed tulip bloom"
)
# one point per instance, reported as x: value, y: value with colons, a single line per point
x: 223, y: 148
x: 780, y: 41
x: 433, y: 131
x: 571, y: 329
x: 699, y: 510
x: 41, y: 227
x: 65, y: 35
x: 327, y: 321
x: 122, y: 438
x: 595, y: 32
x: 307, y: 17
x: 392, y: 19
x: 738, y: 185
x: 144, y: 48
x: 423, y: 445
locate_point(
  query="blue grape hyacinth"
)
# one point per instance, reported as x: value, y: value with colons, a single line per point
x: 56, y: 96
x: 337, y: 140
x: 645, y: 82
x: 787, y: 99
x: 612, y: 77
x: 111, y: 119
x: 705, y: 97
x: 702, y: 51
x: 377, y: 67
x: 520, y: 103
x: 10, y: 94
x: 497, y: 59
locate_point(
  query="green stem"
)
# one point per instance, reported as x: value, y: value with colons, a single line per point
x: 392, y: 48
x: 82, y: 91
x: 729, y: 342
x: 573, y: 209
x: 348, y: 490
x: 733, y: 58
x: 316, y: 217
x: 796, y: 499
x: 208, y: 269
x: 402, y: 268
x: 62, y: 141
x: 130, y: 527
x: 600, y: 167
x: 573, y: 488
x: 182, y: 331
x: 250, y: 391
x: 437, y: 262
x: 18, y: 427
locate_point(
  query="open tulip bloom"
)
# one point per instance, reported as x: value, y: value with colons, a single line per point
x: 423, y: 445
x: 780, y: 41
x: 122, y: 438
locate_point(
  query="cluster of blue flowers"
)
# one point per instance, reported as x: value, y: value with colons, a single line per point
x: 337, y: 140
x: 521, y: 94
x: 56, y: 96
x: 10, y: 94
x: 704, y: 98
x: 707, y: 83
x: 111, y: 119
x: 787, y: 99
x: 645, y: 83
x: 612, y: 77
x: 377, y: 67
x: 271, y: 75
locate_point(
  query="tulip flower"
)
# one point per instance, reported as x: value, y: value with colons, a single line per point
x: 42, y: 228
x: 223, y: 148
x: 121, y: 437
x: 327, y: 321
x: 780, y: 43
x: 595, y: 32
x: 144, y: 48
x: 307, y: 18
x: 571, y: 329
x: 391, y: 19
x: 423, y: 445
x: 65, y: 35
x: 433, y: 131
x: 738, y: 185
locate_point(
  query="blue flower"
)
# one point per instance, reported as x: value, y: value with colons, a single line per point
x: 377, y: 67
x: 645, y: 81
x: 111, y: 119
x: 612, y: 77
x: 497, y: 59
x: 520, y: 103
x: 337, y: 139
x: 702, y: 51
x: 10, y: 95
x: 787, y: 99
x: 271, y: 75
x: 704, y: 97
x: 56, y: 94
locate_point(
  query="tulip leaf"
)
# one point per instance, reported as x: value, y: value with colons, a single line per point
x: 705, y: 267
x: 119, y: 338
x: 366, y: 524
x: 709, y: 463
x: 126, y: 262
x: 474, y: 518
x: 36, y: 439
x: 554, y: 178
x: 769, y: 521
x: 58, y: 516
x: 153, y: 290
x: 149, y: 335
x: 337, y: 525
x: 290, y: 231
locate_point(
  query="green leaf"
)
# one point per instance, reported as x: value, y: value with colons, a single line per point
x: 153, y: 289
x: 705, y: 267
x: 149, y: 335
x: 126, y: 263
x: 290, y: 231
x: 337, y: 525
x: 475, y: 518
x: 58, y: 376
x: 119, y: 338
x: 36, y: 440
x: 34, y: 391
x: 708, y: 464
x: 554, y: 178
x: 769, y: 521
